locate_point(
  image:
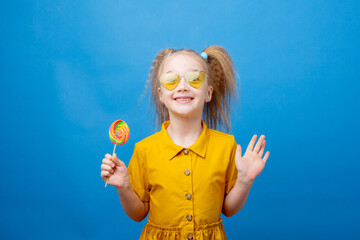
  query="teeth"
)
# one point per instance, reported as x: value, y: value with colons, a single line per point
x: 183, y: 99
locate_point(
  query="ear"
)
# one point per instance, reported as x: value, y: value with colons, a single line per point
x: 209, y: 93
x: 159, y: 92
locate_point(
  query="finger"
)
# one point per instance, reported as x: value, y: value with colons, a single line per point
x: 108, y: 156
x: 117, y: 161
x: 251, y: 144
x: 259, y: 144
x: 262, y: 149
x: 105, y: 178
x: 105, y: 174
x: 108, y: 162
x: 267, y: 154
x: 238, y: 151
x: 107, y: 168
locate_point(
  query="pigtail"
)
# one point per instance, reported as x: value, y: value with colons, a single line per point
x: 161, y: 112
x: 221, y: 70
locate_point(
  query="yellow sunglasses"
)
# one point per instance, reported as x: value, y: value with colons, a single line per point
x: 171, y: 80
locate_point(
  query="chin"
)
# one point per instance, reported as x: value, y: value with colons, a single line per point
x: 186, y: 114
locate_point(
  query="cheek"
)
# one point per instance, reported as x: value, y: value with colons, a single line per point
x: 165, y: 96
x: 161, y: 94
x: 205, y: 92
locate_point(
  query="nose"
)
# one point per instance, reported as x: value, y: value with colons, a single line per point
x: 183, y: 84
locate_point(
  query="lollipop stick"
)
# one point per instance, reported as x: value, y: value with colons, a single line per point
x: 113, y: 155
x: 114, y: 149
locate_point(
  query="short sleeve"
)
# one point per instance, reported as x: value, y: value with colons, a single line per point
x: 231, y: 174
x: 138, y: 175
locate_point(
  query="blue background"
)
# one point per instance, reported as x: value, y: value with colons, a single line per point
x: 70, y: 68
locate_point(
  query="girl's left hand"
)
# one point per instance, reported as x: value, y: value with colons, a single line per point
x: 251, y: 164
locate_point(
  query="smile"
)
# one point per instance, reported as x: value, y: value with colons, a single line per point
x: 183, y: 99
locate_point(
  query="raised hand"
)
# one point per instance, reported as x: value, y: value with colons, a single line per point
x: 251, y: 164
x: 114, y: 171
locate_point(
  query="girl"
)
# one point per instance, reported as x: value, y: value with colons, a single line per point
x: 185, y: 175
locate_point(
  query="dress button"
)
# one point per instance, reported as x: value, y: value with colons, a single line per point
x: 189, y: 217
x: 188, y: 196
x: 186, y: 152
x: 189, y: 236
x: 187, y: 172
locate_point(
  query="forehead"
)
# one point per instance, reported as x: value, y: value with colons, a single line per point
x: 182, y: 62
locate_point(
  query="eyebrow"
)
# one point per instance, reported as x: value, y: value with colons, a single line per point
x: 194, y: 69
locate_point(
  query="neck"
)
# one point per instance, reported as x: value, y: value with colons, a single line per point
x: 184, y: 131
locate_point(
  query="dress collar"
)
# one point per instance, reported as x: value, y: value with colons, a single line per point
x: 172, y: 149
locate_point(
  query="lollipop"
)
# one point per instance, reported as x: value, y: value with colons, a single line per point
x: 119, y: 133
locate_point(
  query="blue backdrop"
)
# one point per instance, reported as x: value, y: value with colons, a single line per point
x: 70, y: 68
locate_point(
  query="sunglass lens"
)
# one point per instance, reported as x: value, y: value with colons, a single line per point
x: 196, y: 79
x: 170, y: 80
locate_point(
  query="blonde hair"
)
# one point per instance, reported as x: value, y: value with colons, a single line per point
x: 220, y: 70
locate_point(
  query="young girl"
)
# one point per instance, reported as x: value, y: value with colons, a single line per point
x: 187, y: 174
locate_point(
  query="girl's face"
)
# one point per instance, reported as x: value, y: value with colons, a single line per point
x: 184, y: 100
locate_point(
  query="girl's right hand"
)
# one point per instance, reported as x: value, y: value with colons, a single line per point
x: 114, y: 172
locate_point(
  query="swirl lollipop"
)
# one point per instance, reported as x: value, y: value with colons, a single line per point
x: 119, y: 133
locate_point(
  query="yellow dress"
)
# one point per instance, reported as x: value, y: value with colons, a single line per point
x: 185, y: 187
